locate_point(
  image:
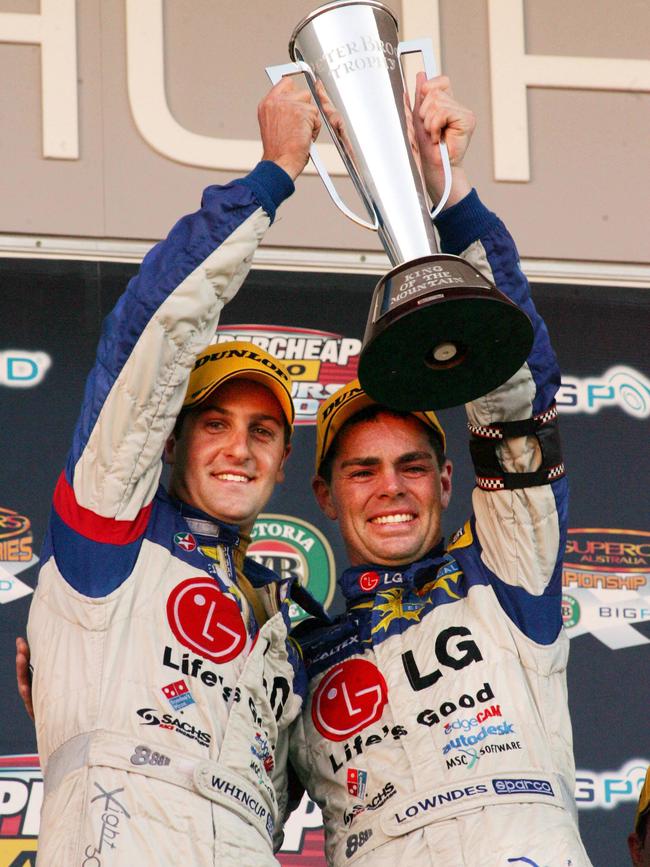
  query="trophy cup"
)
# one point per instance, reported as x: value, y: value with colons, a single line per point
x: 438, y: 333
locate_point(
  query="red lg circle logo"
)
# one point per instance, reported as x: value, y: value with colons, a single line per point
x: 350, y: 697
x: 205, y: 620
x: 368, y: 581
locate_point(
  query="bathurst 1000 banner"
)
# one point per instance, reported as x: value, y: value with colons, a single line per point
x: 50, y: 325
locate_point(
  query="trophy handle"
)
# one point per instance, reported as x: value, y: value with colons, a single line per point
x: 275, y: 73
x: 425, y: 47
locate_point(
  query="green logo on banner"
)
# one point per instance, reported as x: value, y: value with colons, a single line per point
x: 293, y: 548
x: 570, y: 611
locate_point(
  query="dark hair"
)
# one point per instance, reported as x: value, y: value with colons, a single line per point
x: 370, y: 413
x: 183, y: 414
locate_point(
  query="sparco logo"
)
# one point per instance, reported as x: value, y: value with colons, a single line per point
x: 295, y: 549
x: 319, y: 362
x: 349, y: 698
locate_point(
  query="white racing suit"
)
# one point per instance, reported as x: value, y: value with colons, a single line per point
x: 436, y: 730
x: 161, y: 710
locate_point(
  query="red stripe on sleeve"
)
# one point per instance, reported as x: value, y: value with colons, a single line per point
x: 93, y: 526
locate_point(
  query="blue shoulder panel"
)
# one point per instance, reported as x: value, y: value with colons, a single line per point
x: 94, y: 569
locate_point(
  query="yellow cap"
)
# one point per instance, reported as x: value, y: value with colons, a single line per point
x: 221, y: 362
x: 644, y: 801
x: 348, y: 401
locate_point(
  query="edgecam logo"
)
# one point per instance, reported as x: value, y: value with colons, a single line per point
x: 205, y: 620
x: 293, y: 548
x: 619, y: 386
x: 21, y: 796
x: 319, y: 362
x: 20, y: 368
x: 606, y: 587
x: 349, y: 698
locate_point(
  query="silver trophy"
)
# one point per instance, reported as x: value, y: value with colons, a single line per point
x: 438, y: 334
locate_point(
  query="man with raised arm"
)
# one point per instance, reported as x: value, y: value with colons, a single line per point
x: 163, y: 681
x: 436, y: 732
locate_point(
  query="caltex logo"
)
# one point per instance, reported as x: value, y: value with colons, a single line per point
x: 186, y: 541
x: 293, y: 548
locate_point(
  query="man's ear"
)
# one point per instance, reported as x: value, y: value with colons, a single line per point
x: 279, y: 477
x: 445, y: 483
x: 324, y: 497
x: 635, y: 845
x: 169, y: 452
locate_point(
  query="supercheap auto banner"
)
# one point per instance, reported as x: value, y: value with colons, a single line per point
x: 50, y: 324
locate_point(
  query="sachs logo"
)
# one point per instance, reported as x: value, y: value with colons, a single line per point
x: 349, y: 698
x: 293, y: 548
x: 319, y: 362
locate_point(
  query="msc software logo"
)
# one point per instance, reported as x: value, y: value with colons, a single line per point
x: 21, y: 795
x: 16, y: 554
x: 20, y: 368
x: 295, y: 549
x: 319, y: 362
x: 606, y: 587
x: 619, y: 386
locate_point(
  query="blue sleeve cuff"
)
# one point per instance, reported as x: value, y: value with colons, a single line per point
x: 270, y: 184
x: 463, y: 223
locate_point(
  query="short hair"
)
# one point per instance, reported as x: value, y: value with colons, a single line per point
x: 370, y: 413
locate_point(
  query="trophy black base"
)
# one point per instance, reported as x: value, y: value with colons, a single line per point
x: 439, y: 335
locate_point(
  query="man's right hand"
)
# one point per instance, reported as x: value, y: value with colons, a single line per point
x: 289, y: 122
x: 24, y: 675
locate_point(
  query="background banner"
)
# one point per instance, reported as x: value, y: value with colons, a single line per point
x: 50, y: 324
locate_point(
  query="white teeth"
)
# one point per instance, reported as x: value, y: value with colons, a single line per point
x: 393, y: 519
x: 231, y: 477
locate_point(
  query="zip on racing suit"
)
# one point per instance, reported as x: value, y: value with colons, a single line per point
x: 436, y: 729
x: 161, y: 709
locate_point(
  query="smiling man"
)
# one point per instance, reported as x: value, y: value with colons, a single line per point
x: 163, y: 680
x: 436, y: 731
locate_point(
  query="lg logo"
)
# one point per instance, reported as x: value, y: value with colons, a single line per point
x: 350, y: 697
x: 206, y: 621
